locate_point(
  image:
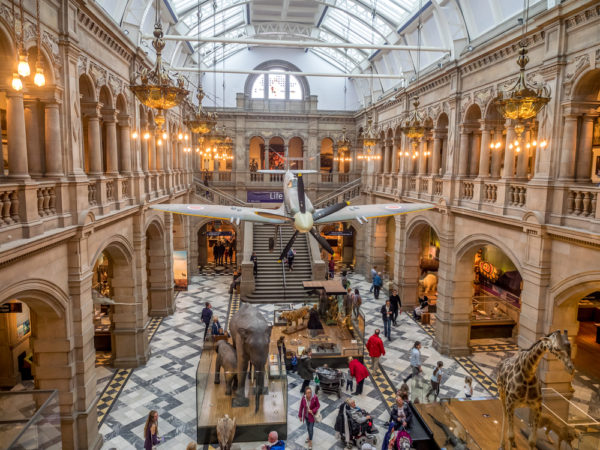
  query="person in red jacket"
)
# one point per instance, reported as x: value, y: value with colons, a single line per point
x: 376, y: 350
x: 359, y: 372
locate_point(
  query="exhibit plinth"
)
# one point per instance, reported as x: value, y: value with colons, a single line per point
x: 213, y: 402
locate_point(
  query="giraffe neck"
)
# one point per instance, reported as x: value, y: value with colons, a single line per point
x: 532, y: 358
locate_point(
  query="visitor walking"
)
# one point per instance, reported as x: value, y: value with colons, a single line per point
x: 290, y: 257
x: 331, y: 268
x: 206, y: 316
x: 359, y: 372
x: 436, y: 379
x: 309, y: 413
x: 468, y: 388
x: 348, y: 301
x: 306, y: 370
x: 373, y: 274
x: 415, y: 363
x: 386, y: 315
x: 375, y: 349
x: 377, y: 284
x: 345, y: 280
x: 151, y: 437
x: 254, y: 260
x: 216, y: 326
x: 396, y: 305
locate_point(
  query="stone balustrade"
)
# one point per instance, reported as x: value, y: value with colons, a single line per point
x: 92, y: 199
x: 583, y: 203
x: 9, y: 206
x: 438, y: 188
x: 110, y: 191
x: 517, y: 195
x: 46, y: 201
x: 412, y: 184
x: 424, y: 185
x: 466, y: 190
x: 490, y: 193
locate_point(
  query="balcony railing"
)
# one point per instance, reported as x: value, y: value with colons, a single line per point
x: 490, y: 193
x: 9, y: 203
x: 46, y: 201
x: 582, y: 203
x: 438, y: 188
x: 466, y: 190
x: 517, y: 195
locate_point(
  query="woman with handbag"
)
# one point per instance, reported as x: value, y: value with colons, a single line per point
x: 309, y: 412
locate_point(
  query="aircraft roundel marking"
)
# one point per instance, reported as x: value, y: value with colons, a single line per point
x: 393, y: 207
x: 195, y: 208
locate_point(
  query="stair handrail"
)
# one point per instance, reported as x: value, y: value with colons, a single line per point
x: 339, y: 191
x: 231, y: 198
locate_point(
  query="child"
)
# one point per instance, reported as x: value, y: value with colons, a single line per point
x: 436, y: 379
x: 294, y: 363
x: 349, y: 381
x: 468, y: 387
x: 404, y: 390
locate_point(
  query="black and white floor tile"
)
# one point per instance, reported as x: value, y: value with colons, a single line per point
x: 167, y: 382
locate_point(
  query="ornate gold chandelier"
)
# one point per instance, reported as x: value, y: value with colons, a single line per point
x: 343, y: 144
x: 202, y: 122
x: 414, y: 129
x: 522, y: 102
x: 369, y: 140
x: 156, y: 89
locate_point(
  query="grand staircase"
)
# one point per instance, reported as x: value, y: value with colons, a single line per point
x: 274, y: 282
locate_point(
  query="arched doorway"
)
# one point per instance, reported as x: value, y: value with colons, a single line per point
x: 103, y: 297
x: 342, y: 238
x: 587, y: 340
x: 276, y: 154
x: 326, y: 156
x: 488, y: 281
x: 256, y: 154
x: 159, y: 273
x: 217, y: 245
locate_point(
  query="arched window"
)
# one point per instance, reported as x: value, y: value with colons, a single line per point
x: 277, y: 85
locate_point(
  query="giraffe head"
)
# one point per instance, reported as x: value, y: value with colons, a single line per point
x: 560, y: 347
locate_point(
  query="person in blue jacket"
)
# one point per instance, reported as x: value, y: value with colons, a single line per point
x: 273, y: 442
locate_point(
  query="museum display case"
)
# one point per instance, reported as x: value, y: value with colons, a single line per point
x: 493, y: 317
x: 30, y: 420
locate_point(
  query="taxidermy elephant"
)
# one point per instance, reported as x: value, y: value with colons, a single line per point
x: 429, y: 284
x: 226, y: 358
x: 251, y: 335
x: 225, y: 432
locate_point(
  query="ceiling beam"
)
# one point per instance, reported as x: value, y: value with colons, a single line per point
x: 298, y: 44
x: 299, y: 74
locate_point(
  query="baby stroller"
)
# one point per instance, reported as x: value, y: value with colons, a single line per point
x: 351, y: 431
x: 330, y: 381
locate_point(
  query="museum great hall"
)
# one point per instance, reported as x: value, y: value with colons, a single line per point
x: 485, y: 112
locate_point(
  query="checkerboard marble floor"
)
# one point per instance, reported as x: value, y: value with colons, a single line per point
x: 167, y: 382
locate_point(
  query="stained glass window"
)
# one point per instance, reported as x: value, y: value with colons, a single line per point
x: 295, y: 88
x: 277, y: 86
x: 258, y: 88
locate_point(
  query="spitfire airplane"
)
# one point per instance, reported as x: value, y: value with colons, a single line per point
x: 296, y: 210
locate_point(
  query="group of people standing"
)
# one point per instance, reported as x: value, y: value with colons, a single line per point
x: 223, y: 252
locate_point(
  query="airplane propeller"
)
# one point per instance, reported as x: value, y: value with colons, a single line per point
x: 315, y: 216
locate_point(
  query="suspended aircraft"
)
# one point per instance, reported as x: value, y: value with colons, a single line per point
x: 296, y: 210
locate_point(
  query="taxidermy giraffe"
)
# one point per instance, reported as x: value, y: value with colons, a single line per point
x: 518, y: 384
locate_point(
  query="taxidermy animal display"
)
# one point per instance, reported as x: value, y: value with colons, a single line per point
x: 251, y: 334
x: 429, y: 284
x: 295, y: 316
x: 325, y: 346
x: 563, y: 431
x: 518, y: 384
x: 227, y: 359
x: 451, y: 438
x: 225, y: 432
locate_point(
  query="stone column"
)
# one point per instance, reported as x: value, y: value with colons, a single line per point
x: 144, y: 153
x: 32, y: 125
x: 336, y: 163
x: 395, y: 155
x: 584, y: 155
x: 94, y: 147
x: 17, y: 138
x: 509, y: 152
x: 159, y: 145
x: 152, y: 150
x: 125, y: 139
x: 422, y: 157
x: 484, y: 152
x: 463, y: 157
x: 497, y: 154
x: 112, y: 154
x: 436, y: 157
x: 566, y: 169
x: 523, y: 158
x: 474, y: 154
x: 53, y: 148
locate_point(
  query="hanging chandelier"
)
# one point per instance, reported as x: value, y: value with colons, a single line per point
x: 343, y: 144
x: 156, y: 89
x: 370, y: 138
x: 522, y: 102
x: 414, y: 129
x: 202, y: 122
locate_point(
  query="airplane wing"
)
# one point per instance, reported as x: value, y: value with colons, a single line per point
x: 231, y: 213
x: 363, y: 212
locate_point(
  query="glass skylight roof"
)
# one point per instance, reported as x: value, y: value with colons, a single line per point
x: 357, y: 21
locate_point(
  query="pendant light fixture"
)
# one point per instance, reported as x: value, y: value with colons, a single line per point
x: 23, y: 66
x: 39, y: 79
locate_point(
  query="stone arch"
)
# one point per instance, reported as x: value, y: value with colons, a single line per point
x: 585, y: 86
x: 199, y: 253
x: 474, y: 240
x: 277, y: 63
x: 256, y: 153
x: 326, y: 155
x: 89, y: 120
x: 159, y: 269
x: 47, y: 65
x: 296, y: 153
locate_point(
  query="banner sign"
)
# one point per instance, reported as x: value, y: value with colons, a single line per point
x: 219, y: 233
x: 11, y: 308
x: 180, y: 270
x: 264, y: 197
x: 339, y: 233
